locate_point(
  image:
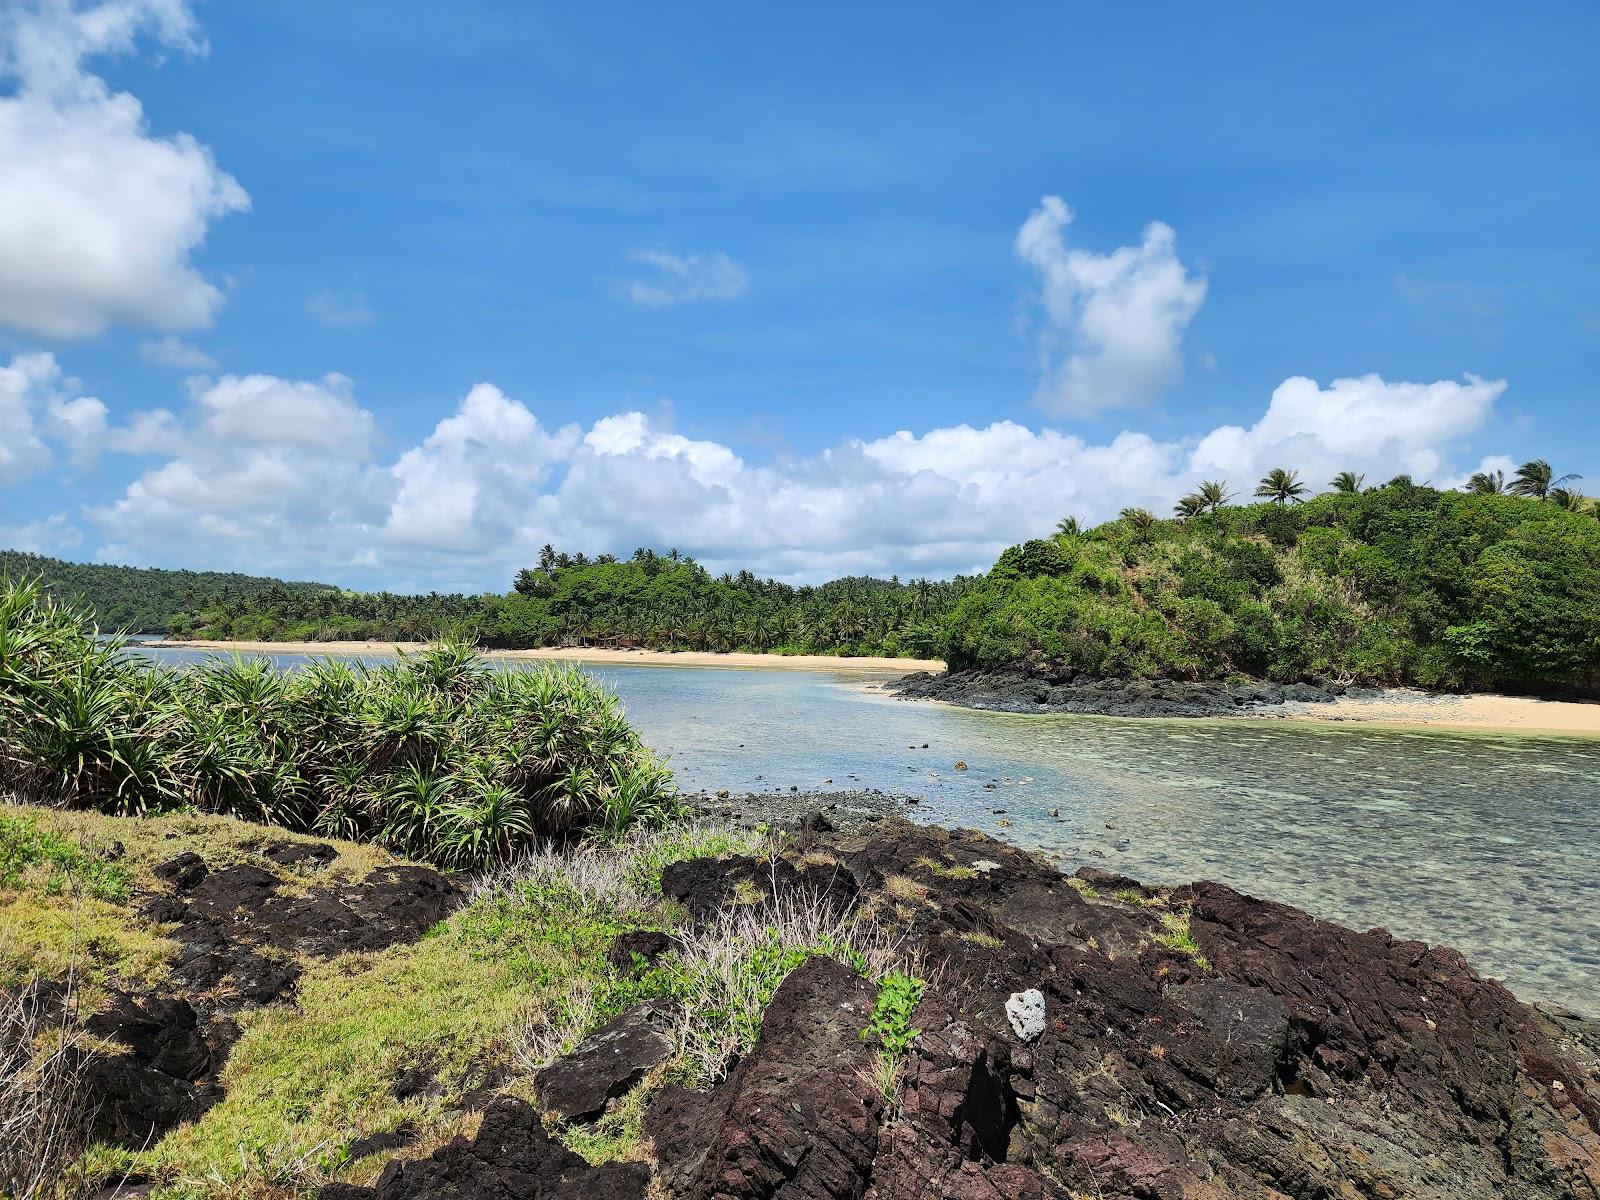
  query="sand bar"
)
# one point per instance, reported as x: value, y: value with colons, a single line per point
x: 1483, y: 713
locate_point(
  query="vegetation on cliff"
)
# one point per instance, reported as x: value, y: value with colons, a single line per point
x: 435, y: 756
x: 1395, y: 584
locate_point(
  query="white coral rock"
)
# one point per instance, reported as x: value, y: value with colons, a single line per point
x: 1025, y: 1011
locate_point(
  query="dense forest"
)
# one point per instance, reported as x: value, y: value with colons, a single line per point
x: 659, y: 601
x: 1396, y: 584
x: 141, y: 599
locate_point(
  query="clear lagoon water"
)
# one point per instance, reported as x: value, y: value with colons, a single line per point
x: 1487, y: 843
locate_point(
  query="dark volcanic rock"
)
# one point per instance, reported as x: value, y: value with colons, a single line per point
x: 143, y: 1093
x: 798, y: 1117
x: 645, y: 945
x: 1022, y: 690
x: 1296, y: 1059
x: 607, y: 1063
x: 511, y: 1158
x: 239, y: 936
x: 184, y: 872
x: 290, y: 854
x: 705, y: 886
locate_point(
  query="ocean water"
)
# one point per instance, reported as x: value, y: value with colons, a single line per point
x: 1487, y: 843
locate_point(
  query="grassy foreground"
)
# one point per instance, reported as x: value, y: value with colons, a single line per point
x: 437, y: 757
x: 513, y: 979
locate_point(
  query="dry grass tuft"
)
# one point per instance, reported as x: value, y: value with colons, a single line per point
x: 44, y: 1108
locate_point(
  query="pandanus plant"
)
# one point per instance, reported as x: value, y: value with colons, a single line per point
x: 437, y: 755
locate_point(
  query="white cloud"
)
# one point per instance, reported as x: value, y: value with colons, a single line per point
x: 1383, y: 428
x: 685, y: 278
x: 339, y: 312
x: 1113, y: 323
x: 268, y: 471
x: 71, y: 262
x: 279, y: 475
x: 175, y: 352
x: 38, y: 407
x: 464, y: 488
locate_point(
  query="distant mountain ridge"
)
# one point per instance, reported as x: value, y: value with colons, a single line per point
x: 142, y: 599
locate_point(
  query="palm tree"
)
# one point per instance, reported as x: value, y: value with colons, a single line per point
x: 1569, y: 499
x: 1281, y: 486
x: 1348, y: 482
x: 1141, y: 520
x: 1213, y: 494
x: 1536, y: 479
x: 1068, y: 527
x: 1487, y: 483
x: 1189, y: 506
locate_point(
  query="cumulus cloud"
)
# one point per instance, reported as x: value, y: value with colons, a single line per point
x: 685, y: 278
x: 173, y: 351
x: 466, y: 487
x: 70, y: 262
x: 54, y: 535
x: 24, y: 388
x: 39, y: 407
x: 262, y: 470
x: 1113, y: 324
x: 1387, y: 428
x: 285, y: 475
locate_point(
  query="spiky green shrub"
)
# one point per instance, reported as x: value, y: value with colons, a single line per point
x: 436, y: 755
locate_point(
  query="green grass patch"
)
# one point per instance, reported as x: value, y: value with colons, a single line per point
x: 45, y: 860
x: 1176, y: 935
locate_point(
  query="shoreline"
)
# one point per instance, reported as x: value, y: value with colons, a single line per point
x: 1480, y: 712
x: 598, y: 655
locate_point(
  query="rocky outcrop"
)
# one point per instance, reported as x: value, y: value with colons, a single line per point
x: 607, y: 1063
x: 1027, y: 690
x: 1197, y: 1043
x: 799, y: 1117
x: 1081, y: 1036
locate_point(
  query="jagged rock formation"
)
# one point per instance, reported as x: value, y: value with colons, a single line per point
x: 1199, y: 1044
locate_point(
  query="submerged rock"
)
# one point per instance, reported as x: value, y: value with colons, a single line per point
x: 1023, y: 690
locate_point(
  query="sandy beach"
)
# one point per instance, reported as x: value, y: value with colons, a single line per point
x: 1484, y: 713
x: 878, y: 667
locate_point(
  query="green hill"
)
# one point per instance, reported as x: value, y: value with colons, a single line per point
x: 143, y: 599
x: 1399, y: 584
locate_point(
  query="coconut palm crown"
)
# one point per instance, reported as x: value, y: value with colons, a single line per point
x: 1282, y: 487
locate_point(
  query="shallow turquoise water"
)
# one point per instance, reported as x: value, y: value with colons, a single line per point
x: 1487, y: 843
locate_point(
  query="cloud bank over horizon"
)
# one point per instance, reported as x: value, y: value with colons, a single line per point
x: 269, y: 474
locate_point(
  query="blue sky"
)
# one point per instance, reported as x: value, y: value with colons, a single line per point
x: 424, y: 286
